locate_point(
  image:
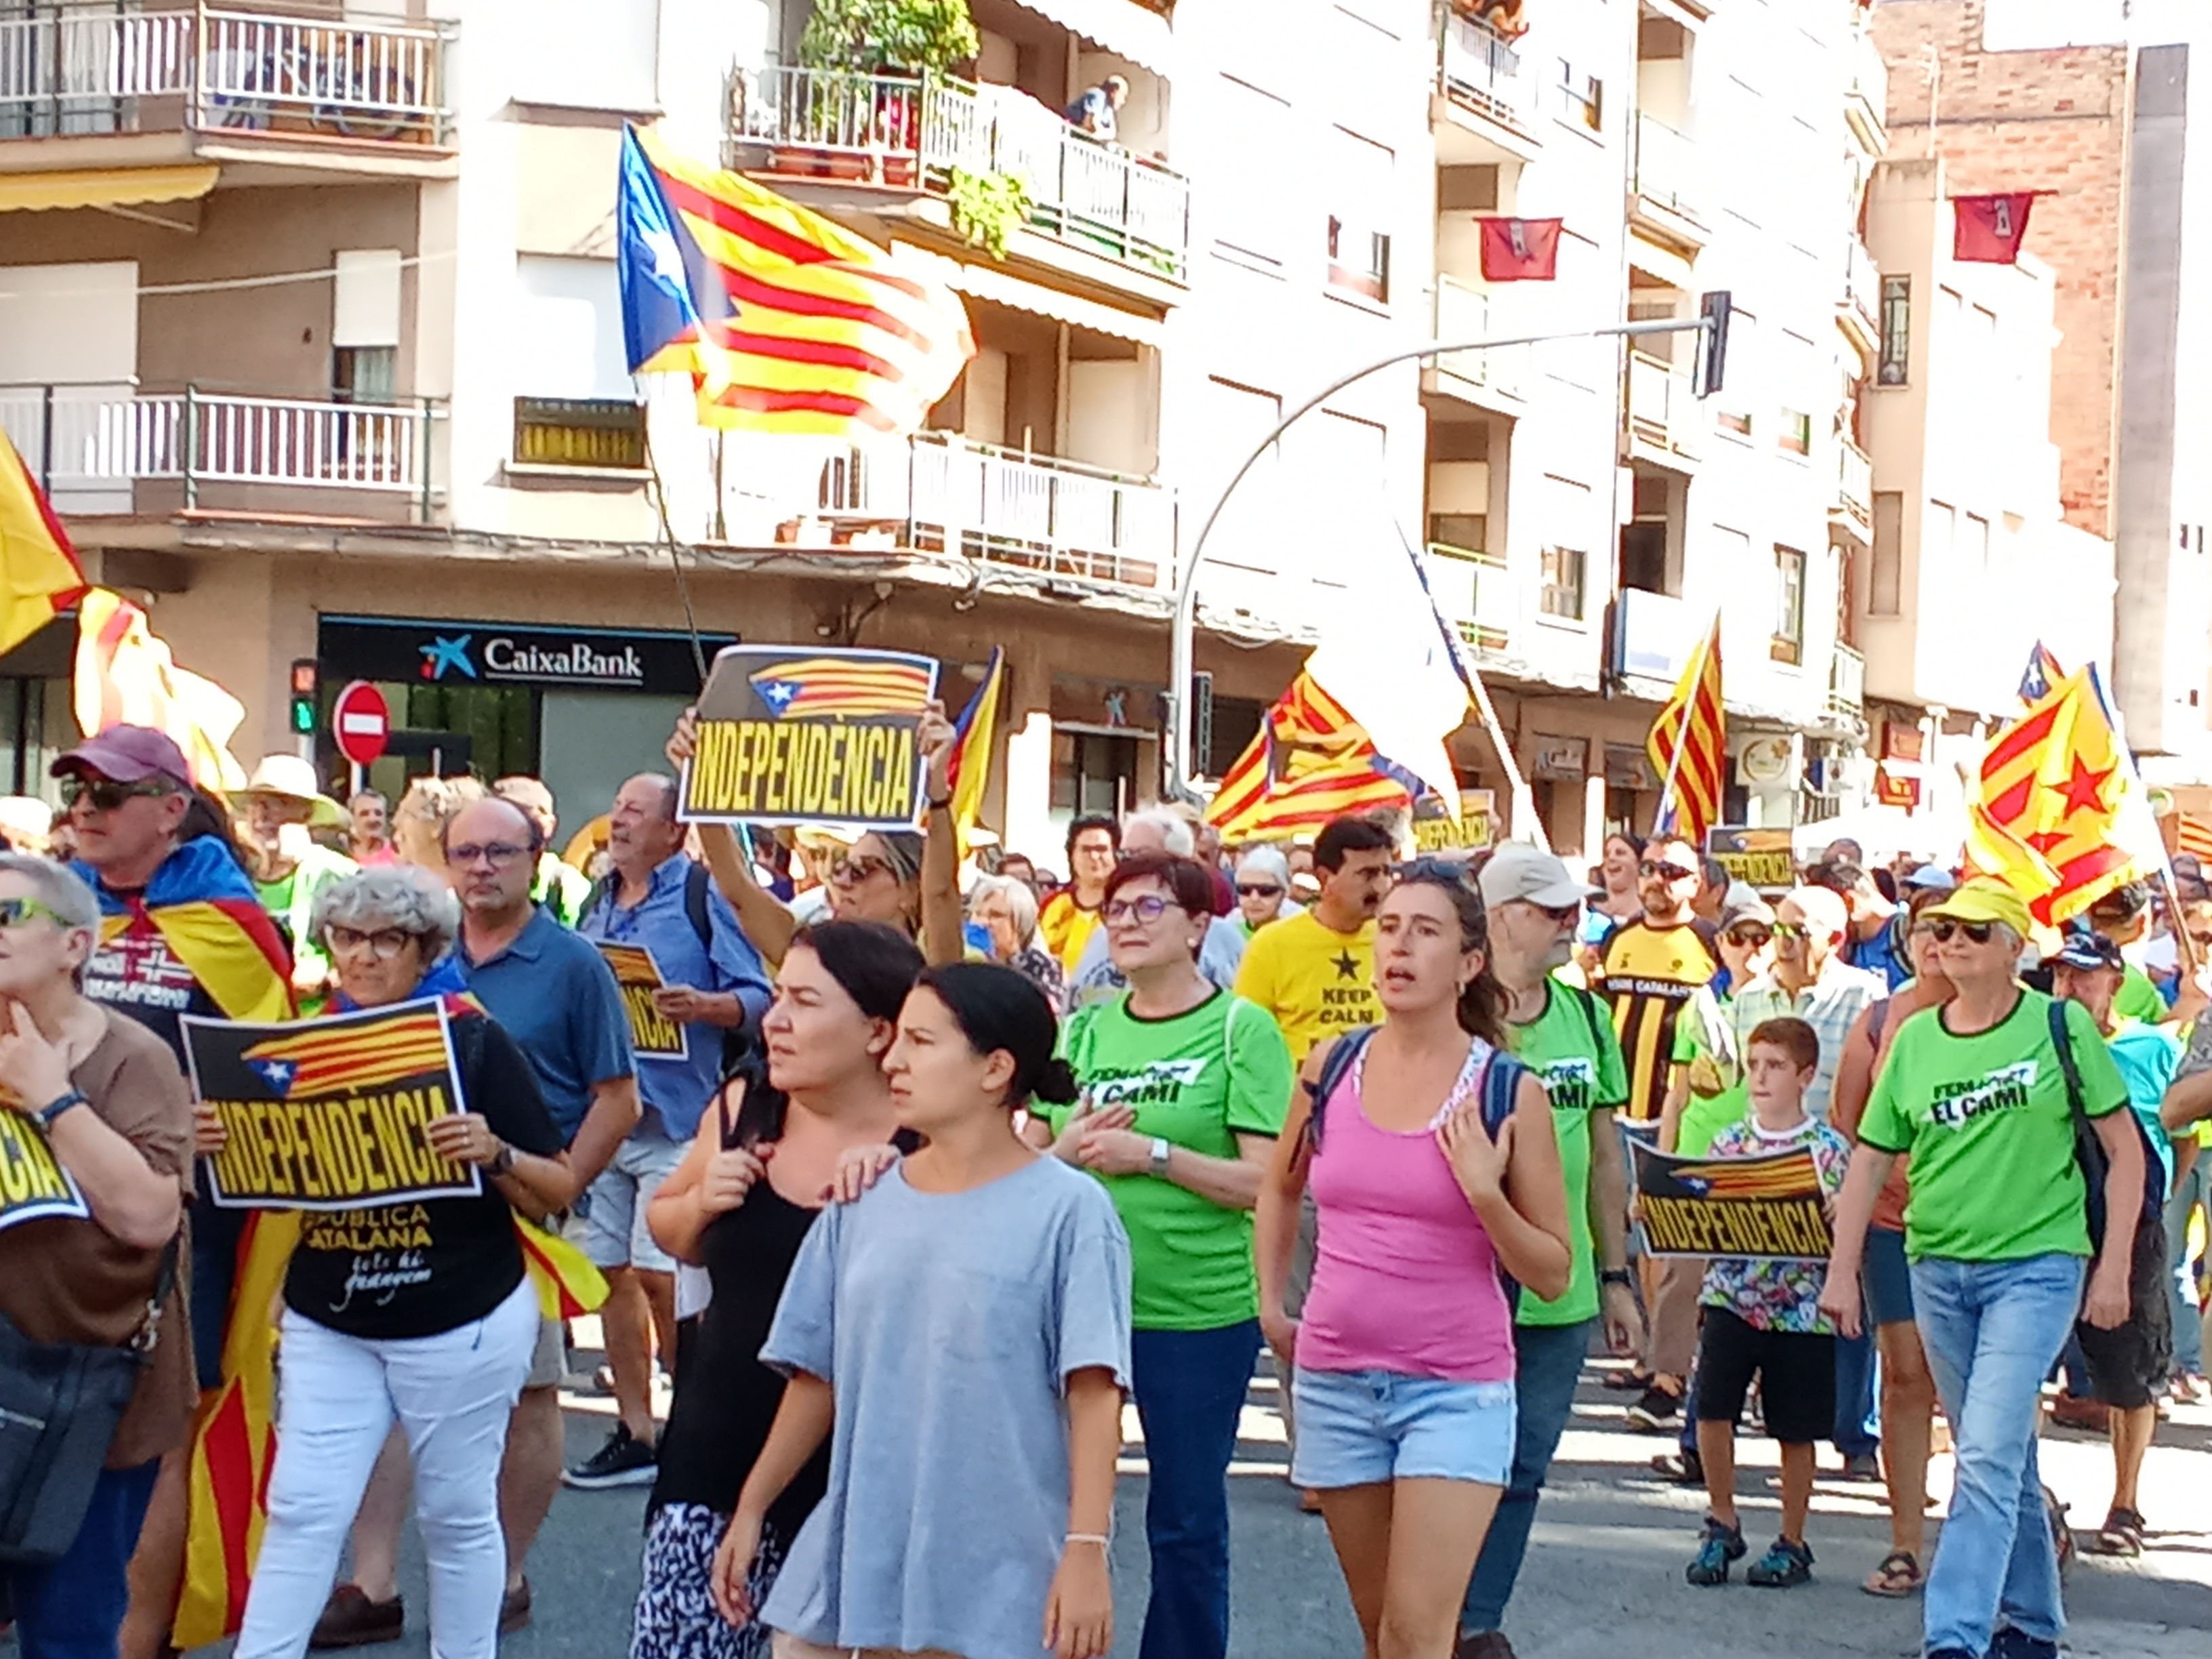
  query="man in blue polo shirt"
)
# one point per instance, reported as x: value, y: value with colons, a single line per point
x: 712, y: 981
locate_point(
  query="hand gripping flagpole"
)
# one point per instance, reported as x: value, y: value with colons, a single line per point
x: 1712, y: 325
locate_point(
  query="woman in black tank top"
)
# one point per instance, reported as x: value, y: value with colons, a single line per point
x: 740, y: 1206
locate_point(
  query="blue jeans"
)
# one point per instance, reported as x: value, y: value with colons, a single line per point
x: 1548, y: 1362
x: 73, y: 1609
x: 1857, y: 1433
x: 1991, y: 1329
x: 1190, y: 1388
x: 2188, y: 1319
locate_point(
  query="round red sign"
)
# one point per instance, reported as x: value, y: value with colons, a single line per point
x: 361, y: 722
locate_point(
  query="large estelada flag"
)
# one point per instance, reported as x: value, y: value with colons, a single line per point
x: 1688, y: 746
x: 786, y: 322
x: 1310, y: 761
x: 2043, y: 672
x: 39, y: 572
x: 124, y: 676
x: 2057, y: 810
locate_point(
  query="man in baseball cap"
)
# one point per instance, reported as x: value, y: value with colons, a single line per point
x: 1518, y: 872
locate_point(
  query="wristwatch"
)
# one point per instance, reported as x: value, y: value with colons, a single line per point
x: 1161, y: 1149
x: 1615, y: 1276
x: 53, y: 1109
x: 502, y: 1160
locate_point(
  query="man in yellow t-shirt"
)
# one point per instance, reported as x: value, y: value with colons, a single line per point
x: 1070, y: 916
x: 1652, y: 967
x: 1315, y: 972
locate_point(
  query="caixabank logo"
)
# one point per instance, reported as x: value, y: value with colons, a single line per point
x: 577, y: 661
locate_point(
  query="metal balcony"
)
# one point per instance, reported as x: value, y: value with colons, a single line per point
x: 1854, y: 490
x: 1665, y: 195
x: 1847, y: 683
x: 1036, y: 513
x: 1866, y: 99
x: 1481, y: 75
x: 1859, y: 311
x: 1477, y: 595
x: 1463, y: 312
x: 1664, y: 415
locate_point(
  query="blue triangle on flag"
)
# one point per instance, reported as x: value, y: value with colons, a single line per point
x: 276, y: 1073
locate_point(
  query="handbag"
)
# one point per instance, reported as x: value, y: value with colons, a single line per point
x: 60, y: 1406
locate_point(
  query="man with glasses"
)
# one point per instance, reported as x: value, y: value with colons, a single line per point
x: 713, y: 982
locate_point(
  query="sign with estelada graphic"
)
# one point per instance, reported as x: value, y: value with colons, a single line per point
x: 330, y: 1113
x: 1768, y: 1207
x: 792, y: 735
x: 1436, y: 831
x: 1757, y: 858
x: 34, y: 1186
x: 653, y: 1035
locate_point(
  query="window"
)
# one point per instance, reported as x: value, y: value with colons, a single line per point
x: 1795, y: 436
x: 1974, y: 550
x: 1583, y: 96
x: 575, y: 405
x: 1789, y: 605
x: 1896, y: 331
x: 1253, y: 225
x: 580, y: 432
x: 1886, y: 578
x: 1463, y: 532
x: 1746, y: 378
x: 1562, y: 568
x: 1359, y: 260
x: 1359, y: 250
x: 365, y: 326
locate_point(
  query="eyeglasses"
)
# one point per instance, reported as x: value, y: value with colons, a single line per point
x: 15, y: 911
x: 851, y: 872
x: 1560, y: 913
x: 384, y: 943
x: 1751, y: 934
x: 1791, y: 930
x: 105, y: 795
x: 1977, y: 932
x: 1145, y: 910
x: 497, y: 854
x: 1665, y: 871
x: 1257, y: 890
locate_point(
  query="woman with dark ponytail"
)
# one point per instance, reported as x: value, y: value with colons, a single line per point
x: 1439, y: 1189
x: 969, y: 1517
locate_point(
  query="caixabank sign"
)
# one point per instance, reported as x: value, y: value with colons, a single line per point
x: 448, y: 652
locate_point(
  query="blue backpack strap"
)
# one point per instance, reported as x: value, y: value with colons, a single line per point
x: 1501, y: 1082
x: 1334, y: 1071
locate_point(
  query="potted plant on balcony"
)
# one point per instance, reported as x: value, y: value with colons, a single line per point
x: 872, y: 39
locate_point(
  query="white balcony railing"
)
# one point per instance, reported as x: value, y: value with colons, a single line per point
x: 1666, y: 173
x: 1465, y: 313
x: 1862, y: 286
x: 901, y: 132
x: 1855, y: 484
x: 89, y: 445
x: 1476, y: 594
x: 82, y: 71
x: 1040, y: 513
x: 1663, y: 410
x: 1868, y: 95
x: 1847, y: 683
x: 1485, y: 73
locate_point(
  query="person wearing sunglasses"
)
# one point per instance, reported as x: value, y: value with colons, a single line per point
x: 1997, y: 1233
x: 1184, y: 1086
x: 1652, y: 967
x: 1263, y: 890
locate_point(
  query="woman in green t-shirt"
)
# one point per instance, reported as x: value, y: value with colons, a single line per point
x: 1184, y: 1087
x: 1996, y: 1230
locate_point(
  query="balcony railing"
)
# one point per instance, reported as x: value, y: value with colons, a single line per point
x: 1847, y: 683
x: 1855, y: 484
x: 1463, y: 313
x: 904, y: 133
x: 89, y: 445
x: 1485, y: 73
x: 1476, y: 594
x: 1866, y: 107
x: 1862, y: 288
x: 86, y: 72
x: 1663, y: 410
x: 1036, y: 513
x: 1665, y: 169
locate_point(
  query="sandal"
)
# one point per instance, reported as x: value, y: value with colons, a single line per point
x: 2121, y: 1534
x: 1898, y: 1577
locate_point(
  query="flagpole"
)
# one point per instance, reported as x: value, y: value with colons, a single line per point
x: 1681, y: 735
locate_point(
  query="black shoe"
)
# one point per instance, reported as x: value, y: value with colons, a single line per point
x: 1863, y: 1466
x: 624, y: 1461
x: 2012, y: 1643
x: 1683, y: 1468
x: 1485, y: 1645
x: 1718, y: 1547
x: 1785, y: 1565
x: 514, y: 1608
x: 1655, y: 1410
x: 350, y: 1619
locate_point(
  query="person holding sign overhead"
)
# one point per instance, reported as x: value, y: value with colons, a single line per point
x: 97, y: 1133
x: 415, y: 1313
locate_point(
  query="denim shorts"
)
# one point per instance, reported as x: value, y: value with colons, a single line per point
x: 1364, y: 1428
x: 1885, y: 1278
x: 612, y: 1211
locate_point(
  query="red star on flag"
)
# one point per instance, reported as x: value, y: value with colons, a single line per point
x: 2084, y: 789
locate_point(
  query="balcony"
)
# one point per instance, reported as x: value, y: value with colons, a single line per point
x: 1854, y: 505
x: 1653, y: 635
x: 1866, y: 99
x: 102, y: 89
x: 897, y: 134
x: 111, y: 449
x: 1665, y: 190
x: 1485, y: 110
x: 1847, y: 685
x: 1034, y: 513
x: 1490, y: 379
x: 1859, y: 311
x: 1664, y: 416
x: 1476, y: 594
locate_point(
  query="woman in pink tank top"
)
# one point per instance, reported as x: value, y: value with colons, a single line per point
x: 1402, y: 1363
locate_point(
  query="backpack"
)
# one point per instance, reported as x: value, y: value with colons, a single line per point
x: 2089, y: 1153
x: 738, y: 1044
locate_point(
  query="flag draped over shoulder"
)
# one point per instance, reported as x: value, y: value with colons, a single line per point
x: 39, y: 571
x: 971, y: 751
x: 786, y: 322
x: 124, y: 676
x: 1688, y: 745
x: 1309, y: 762
x: 2059, y: 811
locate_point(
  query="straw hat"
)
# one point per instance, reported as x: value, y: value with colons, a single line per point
x: 293, y: 778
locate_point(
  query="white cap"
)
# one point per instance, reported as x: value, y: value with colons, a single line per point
x: 1519, y: 870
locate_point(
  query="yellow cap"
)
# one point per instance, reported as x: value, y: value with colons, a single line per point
x: 1985, y: 898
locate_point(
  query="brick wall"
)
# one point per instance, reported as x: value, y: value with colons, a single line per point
x: 2033, y: 120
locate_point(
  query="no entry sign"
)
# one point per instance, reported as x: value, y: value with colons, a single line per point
x: 361, y: 722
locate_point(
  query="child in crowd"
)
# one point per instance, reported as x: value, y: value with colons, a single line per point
x: 1762, y: 1318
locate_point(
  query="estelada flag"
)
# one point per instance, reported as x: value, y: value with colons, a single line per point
x: 1310, y: 761
x: 39, y: 571
x: 1688, y: 745
x: 977, y: 729
x: 124, y: 676
x: 1520, y: 250
x: 1987, y: 229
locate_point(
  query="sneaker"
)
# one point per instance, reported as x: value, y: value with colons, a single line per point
x: 1718, y: 1547
x: 350, y: 1619
x: 2012, y: 1643
x: 624, y: 1461
x: 1865, y: 1466
x: 1655, y: 1410
x: 1483, y: 1644
x: 1682, y: 1469
x: 514, y: 1608
x: 1785, y: 1565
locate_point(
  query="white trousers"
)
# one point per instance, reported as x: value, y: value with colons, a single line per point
x: 337, y: 1398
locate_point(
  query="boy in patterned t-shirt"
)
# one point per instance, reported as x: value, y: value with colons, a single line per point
x: 1762, y: 1317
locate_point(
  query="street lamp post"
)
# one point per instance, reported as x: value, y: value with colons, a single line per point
x: 1712, y: 324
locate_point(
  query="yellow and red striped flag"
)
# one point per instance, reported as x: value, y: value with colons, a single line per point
x: 39, y: 571
x: 124, y: 676
x: 1310, y: 761
x: 843, y: 688
x: 1688, y: 745
x: 786, y: 322
x: 2193, y: 836
x: 978, y: 727
x: 356, y: 1055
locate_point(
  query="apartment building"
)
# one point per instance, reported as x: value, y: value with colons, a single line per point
x: 2103, y: 129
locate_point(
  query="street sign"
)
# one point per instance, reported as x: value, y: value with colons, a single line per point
x: 361, y: 722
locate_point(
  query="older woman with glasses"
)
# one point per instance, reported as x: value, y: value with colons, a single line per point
x: 1263, y: 890
x: 1978, y: 1092
x: 1008, y: 909
x: 418, y: 1314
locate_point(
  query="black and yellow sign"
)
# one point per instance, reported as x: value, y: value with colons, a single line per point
x: 653, y: 1035
x: 34, y: 1186
x: 1770, y: 1208
x: 1434, y: 831
x: 330, y: 1113
x: 793, y: 735
x: 1757, y: 858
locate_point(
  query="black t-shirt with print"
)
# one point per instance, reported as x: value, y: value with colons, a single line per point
x: 402, y: 1270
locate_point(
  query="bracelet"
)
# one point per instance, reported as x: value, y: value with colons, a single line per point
x: 54, y: 1108
x: 945, y: 806
x: 1615, y: 1276
x: 1097, y: 1538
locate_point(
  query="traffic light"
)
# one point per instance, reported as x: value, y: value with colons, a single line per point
x: 306, y: 680
x: 1715, y: 307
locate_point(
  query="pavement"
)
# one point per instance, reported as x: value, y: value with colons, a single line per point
x: 1604, y: 1575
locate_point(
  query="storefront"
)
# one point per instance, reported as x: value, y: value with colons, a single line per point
x: 581, y: 708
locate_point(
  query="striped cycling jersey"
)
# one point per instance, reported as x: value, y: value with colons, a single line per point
x: 1650, y: 974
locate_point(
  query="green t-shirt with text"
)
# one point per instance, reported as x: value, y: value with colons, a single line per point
x: 1572, y: 1048
x: 1198, y: 1080
x: 1986, y: 1120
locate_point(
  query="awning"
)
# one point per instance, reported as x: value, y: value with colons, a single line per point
x: 1668, y: 266
x: 1004, y: 289
x: 106, y: 186
x: 1124, y: 27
